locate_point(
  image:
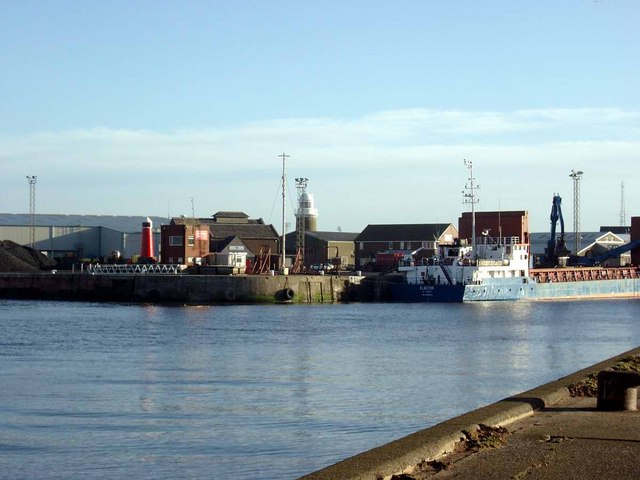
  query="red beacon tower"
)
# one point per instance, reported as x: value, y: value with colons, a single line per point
x: 146, y: 243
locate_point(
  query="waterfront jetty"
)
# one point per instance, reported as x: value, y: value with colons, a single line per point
x: 557, y: 430
x: 179, y: 288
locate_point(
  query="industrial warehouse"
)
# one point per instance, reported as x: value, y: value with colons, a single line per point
x: 234, y: 239
x: 303, y: 263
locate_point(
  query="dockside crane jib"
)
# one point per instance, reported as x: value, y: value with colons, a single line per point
x: 556, y: 248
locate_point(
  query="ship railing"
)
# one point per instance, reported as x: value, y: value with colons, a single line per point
x: 493, y: 263
x: 559, y: 275
x: 438, y: 262
x: 128, y: 269
x: 486, y: 240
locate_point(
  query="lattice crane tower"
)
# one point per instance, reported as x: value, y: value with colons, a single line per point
x: 576, y: 176
x: 623, y: 212
x: 32, y: 179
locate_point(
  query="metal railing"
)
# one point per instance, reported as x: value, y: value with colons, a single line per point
x: 162, y: 269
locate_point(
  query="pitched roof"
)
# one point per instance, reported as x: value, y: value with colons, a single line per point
x: 187, y: 221
x: 403, y: 232
x: 538, y: 241
x: 242, y: 230
x: 221, y: 244
x: 229, y: 214
x: 616, y: 229
x: 334, y: 236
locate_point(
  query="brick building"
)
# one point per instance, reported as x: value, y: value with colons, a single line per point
x: 496, y: 224
x: 184, y: 241
x: 635, y: 235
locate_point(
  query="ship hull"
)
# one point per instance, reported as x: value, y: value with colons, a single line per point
x: 516, y: 289
x: 404, y: 292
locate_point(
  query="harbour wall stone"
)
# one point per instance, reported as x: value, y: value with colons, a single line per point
x: 208, y: 289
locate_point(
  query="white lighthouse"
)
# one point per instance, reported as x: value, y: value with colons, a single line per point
x: 307, y: 213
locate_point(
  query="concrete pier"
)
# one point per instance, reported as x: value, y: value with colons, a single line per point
x: 549, y: 435
x: 207, y: 289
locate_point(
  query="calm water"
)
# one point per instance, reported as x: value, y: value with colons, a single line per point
x: 261, y: 392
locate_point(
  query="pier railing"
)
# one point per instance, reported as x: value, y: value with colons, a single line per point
x: 163, y: 269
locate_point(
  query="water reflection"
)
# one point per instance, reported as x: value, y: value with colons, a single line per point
x: 265, y: 391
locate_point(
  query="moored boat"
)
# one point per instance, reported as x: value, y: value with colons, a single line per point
x: 499, y: 269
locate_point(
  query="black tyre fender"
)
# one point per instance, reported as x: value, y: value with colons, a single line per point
x: 285, y: 295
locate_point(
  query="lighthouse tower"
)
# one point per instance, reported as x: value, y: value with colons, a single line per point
x: 307, y: 212
x: 146, y: 244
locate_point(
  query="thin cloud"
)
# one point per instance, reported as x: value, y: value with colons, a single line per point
x: 392, y: 166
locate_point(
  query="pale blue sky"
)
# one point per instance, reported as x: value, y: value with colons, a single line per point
x: 133, y: 107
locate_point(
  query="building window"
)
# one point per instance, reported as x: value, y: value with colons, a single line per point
x: 361, y: 245
x: 390, y: 245
x: 191, y: 240
x: 175, y: 241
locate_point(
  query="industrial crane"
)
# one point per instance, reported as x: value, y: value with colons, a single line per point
x: 558, y: 248
x: 555, y: 248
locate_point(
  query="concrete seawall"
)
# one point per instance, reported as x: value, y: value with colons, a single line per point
x: 431, y: 443
x: 179, y: 288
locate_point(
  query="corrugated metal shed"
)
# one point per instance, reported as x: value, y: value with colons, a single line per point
x: 121, y: 223
x: 588, y: 241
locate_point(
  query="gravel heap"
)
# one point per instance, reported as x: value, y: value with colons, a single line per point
x: 17, y: 258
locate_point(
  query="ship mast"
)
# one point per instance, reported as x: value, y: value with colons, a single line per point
x: 469, y: 195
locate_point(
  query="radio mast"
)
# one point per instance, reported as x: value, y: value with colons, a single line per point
x: 470, y: 197
x: 623, y: 213
x: 32, y: 179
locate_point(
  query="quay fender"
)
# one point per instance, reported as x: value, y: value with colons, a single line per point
x: 285, y: 295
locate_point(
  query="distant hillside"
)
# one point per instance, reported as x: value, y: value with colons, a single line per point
x: 16, y: 258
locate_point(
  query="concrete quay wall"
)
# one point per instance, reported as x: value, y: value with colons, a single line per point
x: 210, y: 289
x: 402, y: 455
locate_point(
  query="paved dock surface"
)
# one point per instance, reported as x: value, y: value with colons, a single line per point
x: 570, y: 440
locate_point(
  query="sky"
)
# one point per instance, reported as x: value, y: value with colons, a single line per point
x: 182, y: 107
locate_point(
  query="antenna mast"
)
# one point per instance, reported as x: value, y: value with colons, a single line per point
x: 470, y: 197
x: 623, y: 213
x: 576, y: 176
x: 32, y: 179
x: 284, y: 202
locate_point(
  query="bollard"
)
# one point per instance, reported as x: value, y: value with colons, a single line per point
x: 618, y: 390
